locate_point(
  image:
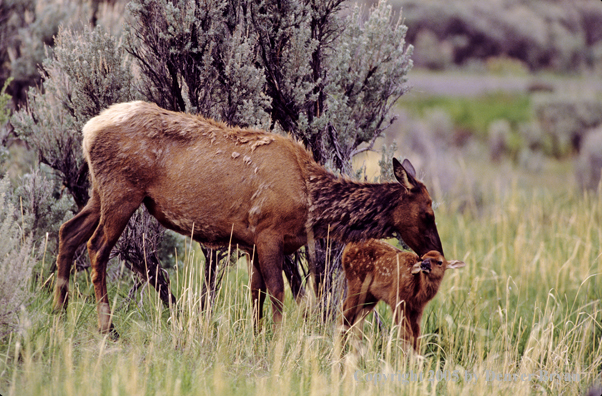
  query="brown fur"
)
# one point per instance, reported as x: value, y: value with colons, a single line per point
x: 260, y: 191
x: 378, y: 271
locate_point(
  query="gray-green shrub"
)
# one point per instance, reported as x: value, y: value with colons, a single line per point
x: 16, y: 262
x: 566, y: 118
x: 588, y: 169
x: 88, y: 71
x: 543, y: 34
x: 330, y: 78
x: 499, y: 134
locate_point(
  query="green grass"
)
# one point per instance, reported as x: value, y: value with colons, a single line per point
x: 530, y: 299
x: 474, y: 114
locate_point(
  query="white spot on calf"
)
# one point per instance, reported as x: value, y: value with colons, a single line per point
x: 235, y: 155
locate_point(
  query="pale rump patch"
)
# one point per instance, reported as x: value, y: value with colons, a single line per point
x: 115, y: 115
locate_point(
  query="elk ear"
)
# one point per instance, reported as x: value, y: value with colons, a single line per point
x: 456, y: 264
x: 405, y: 173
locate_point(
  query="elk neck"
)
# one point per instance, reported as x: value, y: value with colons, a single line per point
x: 351, y: 211
x: 427, y: 288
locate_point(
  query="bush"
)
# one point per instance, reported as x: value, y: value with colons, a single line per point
x: 33, y: 26
x: 588, y: 169
x: 499, y: 136
x: 4, y: 115
x: 14, y: 16
x: 86, y: 74
x: 539, y: 33
x: 432, y: 53
x: 39, y: 195
x: 566, y: 118
x: 15, y: 261
x: 330, y: 78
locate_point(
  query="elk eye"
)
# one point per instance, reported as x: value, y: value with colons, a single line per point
x: 439, y: 262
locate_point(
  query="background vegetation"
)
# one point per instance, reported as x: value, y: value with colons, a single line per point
x: 502, y: 123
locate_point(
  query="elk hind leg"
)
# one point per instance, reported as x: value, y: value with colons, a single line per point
x: 71, y: 235
x: 114, y: 217
x: 351, y: 309
x: 355, y: 310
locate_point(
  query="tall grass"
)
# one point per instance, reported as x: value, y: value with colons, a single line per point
x: 529, y: 302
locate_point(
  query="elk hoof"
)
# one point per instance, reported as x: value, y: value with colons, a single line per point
x: 112, y: 334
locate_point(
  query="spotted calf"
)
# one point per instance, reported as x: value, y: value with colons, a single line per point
x: 378, y: 271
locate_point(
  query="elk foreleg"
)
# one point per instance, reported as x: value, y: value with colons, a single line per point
x: 271, y: 257
x: 414, y: 319
x: 71, y: 235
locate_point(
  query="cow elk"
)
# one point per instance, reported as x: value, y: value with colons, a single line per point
x: 378, y: 271
x: 220, y: 184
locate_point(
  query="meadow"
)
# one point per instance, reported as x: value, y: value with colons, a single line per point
x: 524, y: 317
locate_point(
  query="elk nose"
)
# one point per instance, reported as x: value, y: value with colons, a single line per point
x: 426, y: 265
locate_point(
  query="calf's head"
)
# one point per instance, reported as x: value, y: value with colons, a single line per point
x: 433, y: 264
x: 414, y: 219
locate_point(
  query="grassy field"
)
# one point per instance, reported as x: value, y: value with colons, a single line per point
x: 528, y: 304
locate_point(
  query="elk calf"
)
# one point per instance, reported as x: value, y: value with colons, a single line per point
x: 378, y: 271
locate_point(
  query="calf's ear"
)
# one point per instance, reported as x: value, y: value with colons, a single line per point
x: 456, y: 264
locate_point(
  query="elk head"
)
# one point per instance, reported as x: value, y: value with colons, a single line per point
x: 414, y: 219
